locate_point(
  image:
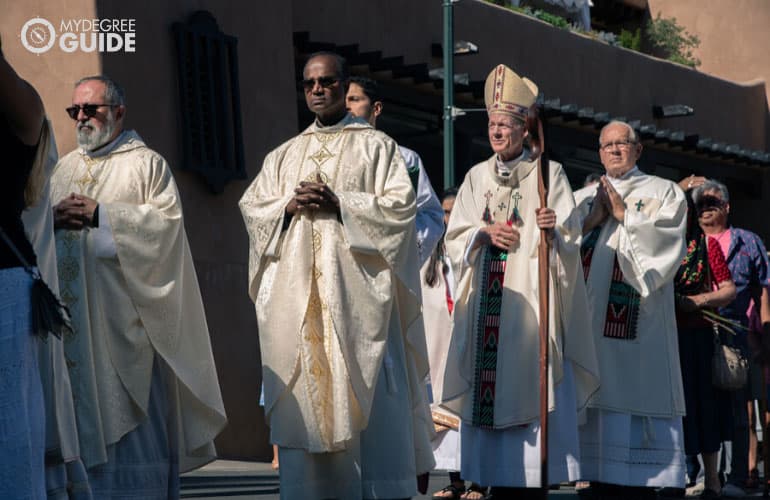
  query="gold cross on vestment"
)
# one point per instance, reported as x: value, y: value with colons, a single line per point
x: 85, y: 181
x: 321, y: 156
x: 88, y: 178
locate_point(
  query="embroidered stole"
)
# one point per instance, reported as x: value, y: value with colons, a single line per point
x: 487, y: 334
x: 623, y: 303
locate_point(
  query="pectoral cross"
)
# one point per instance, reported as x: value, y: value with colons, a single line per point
x: 516, y: 216
x: 487, y: 216
x: 639, y: 204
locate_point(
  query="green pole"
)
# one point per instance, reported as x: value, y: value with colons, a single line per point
x: 449, y: 125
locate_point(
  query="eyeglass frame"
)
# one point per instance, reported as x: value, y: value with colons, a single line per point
x: 325, y: 82
x: 622, y: 145
x: 77, y: 108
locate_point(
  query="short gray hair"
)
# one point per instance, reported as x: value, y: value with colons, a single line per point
x: 631, y: 132
x: 113, y: 93
x: 711, y: 185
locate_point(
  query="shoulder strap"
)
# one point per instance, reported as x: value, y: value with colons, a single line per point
x: 15, y: 250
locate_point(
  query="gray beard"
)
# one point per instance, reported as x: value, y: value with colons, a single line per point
x: 91, y: 140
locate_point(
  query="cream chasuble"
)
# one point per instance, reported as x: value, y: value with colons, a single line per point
x: 138, y: 301
x: 639, y: 365
x: 491, y: 377
x: 329, y: 293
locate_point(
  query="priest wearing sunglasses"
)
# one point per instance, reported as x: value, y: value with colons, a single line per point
x: 147, y: 399
x: 334, y: 275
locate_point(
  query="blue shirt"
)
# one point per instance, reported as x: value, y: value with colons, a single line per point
x: 748, y: 264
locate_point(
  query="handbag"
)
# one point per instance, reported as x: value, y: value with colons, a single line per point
x: 49, y: 315
x: 729, y: 367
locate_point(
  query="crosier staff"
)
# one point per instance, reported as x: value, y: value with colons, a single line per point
x: 535, y: 129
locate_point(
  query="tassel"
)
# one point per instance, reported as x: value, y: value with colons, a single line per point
x: 49, y: 315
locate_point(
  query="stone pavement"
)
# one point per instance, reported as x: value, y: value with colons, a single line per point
x: 234, y: 480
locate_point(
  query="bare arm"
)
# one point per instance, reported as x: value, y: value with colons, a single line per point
x: 764, y: 309
x: 20, y: 105
x: 723, y: 295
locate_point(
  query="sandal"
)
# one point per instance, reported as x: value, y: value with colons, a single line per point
x: 455, y: 493
x: 752, y: 482
x: 475, y: 492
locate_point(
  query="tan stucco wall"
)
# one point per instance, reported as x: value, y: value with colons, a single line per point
x: 53, y: 72
x: 734, y: 35
x: 215, y: 229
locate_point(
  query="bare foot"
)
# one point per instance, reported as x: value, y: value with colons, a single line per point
x: 274, y: 463
x: 473, y: 494
x: 451, y: 492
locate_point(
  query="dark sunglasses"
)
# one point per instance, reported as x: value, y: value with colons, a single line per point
x: 706, y: 202
x: 324, y: 82
x: 88, y: 109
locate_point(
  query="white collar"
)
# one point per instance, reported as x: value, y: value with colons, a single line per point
x: 505, y: 168
x: 617, y: 180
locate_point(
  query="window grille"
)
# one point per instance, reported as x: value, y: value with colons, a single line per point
x: 210, y: 100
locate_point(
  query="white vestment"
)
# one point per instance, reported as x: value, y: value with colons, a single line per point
x: 438, y: 330
x: 641, y: 380
x: 498, y: 394
x: 133, y: 293
x: 430, y: 215
x: 337, y: 303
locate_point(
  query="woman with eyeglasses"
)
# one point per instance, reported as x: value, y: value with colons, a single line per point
x: 22, y: 415
x: 703, y: 282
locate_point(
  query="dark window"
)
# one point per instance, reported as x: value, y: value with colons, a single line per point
x: 210, y: 100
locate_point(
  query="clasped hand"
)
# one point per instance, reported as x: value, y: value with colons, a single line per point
x: 607, y: 202
x: 507, y: 237
x: 313, y: 196
x: 74, y: 212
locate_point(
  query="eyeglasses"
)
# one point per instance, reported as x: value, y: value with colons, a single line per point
x: 88, y: 109
x: 324, y: 82
x: 609, y: 146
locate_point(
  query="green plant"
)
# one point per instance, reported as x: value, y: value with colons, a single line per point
x: 630, y: 40
x: 544, y: 16
x: 673, y: 40
x: 551, y: 19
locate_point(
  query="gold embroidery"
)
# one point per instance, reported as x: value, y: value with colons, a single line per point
x: 87, y: 179
x: 321, y: 156
x: 326, y: 138
x: 313, y: 177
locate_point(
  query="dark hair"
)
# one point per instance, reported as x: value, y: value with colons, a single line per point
x: 449, y: 193
x: 342, y: 64
x: 369, y: 86
x: 437, y: 257
x: 113, y: 93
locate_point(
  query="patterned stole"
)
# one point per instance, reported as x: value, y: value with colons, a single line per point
x: 487, y: 334
x: 620, y: 321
